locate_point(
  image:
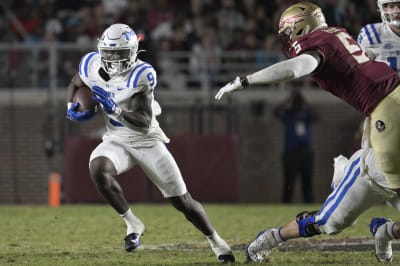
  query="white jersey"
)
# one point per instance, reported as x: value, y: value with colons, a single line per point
x: 358, y: 185
x: 140, y: 78
x: 378, y: 39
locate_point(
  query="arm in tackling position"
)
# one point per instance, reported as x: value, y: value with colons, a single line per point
x: 286, y: 70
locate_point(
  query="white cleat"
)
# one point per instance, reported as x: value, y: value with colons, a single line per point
x: 222, y: 250
x: 260, y: 249
x: 383, y: 243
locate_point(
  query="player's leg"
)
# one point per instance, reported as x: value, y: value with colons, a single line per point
x: 350, y: 198
x: 195, y: 213
x: 162, y: 170
x: 102, y: 172
x: 106, y: 162
x: 384, y: 231
x: 384, y: 132
x: 384, y: 136
x: 267, y: 240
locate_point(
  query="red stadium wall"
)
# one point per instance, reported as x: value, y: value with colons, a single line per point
x: 208, y: 164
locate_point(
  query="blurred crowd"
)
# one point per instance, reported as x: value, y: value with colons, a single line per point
x: 171, y: 25
x: 231, y: 24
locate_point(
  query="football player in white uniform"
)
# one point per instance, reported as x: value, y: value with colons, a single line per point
x: 123, y: 85
x: 381, y: 40
x: 357, y: 185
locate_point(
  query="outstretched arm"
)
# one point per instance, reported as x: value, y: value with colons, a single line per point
x: 286, y: 70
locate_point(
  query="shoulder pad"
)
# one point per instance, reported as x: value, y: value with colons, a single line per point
x: 370, y: 34
x: 86, y: 63
x: 142, y: 75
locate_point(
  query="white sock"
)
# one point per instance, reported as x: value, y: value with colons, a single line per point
x: 133, y: 223
x: 277, y: 235
x: 218, y: 245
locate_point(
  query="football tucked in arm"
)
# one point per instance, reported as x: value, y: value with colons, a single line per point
x: 84, y: 97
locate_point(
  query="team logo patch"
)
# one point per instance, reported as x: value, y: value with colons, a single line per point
x: 379, y: 125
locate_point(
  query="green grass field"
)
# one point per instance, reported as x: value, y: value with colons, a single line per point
x: 93, y: 235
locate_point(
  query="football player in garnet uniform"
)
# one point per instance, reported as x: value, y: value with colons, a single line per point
x: 339, y: 65
x: 123, y: 85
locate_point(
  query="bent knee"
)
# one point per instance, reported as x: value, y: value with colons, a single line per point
x: 100, y: 168
x: 182, y: 203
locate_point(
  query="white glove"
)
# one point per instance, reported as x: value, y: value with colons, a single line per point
x: 231, y: 86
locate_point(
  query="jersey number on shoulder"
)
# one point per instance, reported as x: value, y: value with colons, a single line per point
x: 151, y: 79
x: 353, y: 48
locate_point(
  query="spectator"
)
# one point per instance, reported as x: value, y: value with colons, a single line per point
x: 270, y: 52
x: 205, y: 59
x: 172, y: 77
x: 298, y: 155
x: 159, y: 12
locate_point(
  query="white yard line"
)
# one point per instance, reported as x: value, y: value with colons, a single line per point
x: 330, y: 244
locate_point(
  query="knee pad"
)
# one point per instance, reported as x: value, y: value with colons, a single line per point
x: 306, y: 223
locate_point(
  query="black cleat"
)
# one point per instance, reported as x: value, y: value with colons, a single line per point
x: 132, y: 241
x: 226, y: 258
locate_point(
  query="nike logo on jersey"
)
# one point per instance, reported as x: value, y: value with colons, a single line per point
x: 120, y: 89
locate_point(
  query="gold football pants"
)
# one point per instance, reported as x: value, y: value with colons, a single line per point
x: 385, y: 136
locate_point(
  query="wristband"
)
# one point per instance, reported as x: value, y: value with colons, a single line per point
x: 117, y: 115
x: 244, y: 81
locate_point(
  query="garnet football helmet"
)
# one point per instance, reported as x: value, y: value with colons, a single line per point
x: 118, y: 47
x: 390, y: 16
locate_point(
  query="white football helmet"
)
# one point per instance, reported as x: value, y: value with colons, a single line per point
x: 118, y: 46
x: 391, y: 17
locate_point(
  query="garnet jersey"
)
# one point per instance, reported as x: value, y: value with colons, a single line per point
x: 382, y: 42
x: 122, y: 87
x: 345, y: 70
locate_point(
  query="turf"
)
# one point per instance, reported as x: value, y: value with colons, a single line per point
x: 92, y: 235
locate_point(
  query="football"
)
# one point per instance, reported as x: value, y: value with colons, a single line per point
x: 84, y: 97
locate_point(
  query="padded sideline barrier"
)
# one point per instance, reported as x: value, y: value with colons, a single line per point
x: 208, y: 164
